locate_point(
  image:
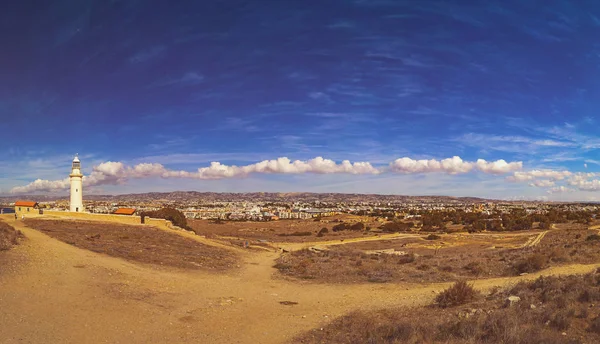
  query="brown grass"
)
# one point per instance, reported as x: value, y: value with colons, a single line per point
x: 8, y: 236
x: 424, y: 263
x: 548, y: 308
x: 142, y: 244
x: 277, y: 231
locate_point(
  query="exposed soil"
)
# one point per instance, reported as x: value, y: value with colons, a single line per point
x: 56, y: 292
x: 420, y: 261
x: 548, y: 310
x: 278, y: 231
x: 142, y: 244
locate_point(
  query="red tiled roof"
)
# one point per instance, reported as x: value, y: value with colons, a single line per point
x: 25, y: 204
x: 124, y: 211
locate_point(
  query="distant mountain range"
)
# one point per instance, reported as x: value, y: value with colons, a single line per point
x: 187, y: 196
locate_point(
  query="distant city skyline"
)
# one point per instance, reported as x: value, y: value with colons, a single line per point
x: 494, y: 100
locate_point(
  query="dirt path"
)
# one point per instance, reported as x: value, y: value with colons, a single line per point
x: 536, y: 240
x: 53, y: 292
x: 326, y: 243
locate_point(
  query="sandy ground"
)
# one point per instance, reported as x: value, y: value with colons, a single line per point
x: 52, y: 292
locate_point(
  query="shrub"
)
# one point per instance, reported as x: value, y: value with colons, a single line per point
x: 339, y: 227
x: 595, y: 325
x: 458, y: 294
x: 593, y: 237
x: 474, y: 268
x: 407, y: 258
x: 175, y: 216
x: 562, y: 319
x: 423, y: 267
x: 396, y: 226
x: 433, y: 237
x: 534, y: 262
x: 359, y: 226
x: 589, y: 295
x: 322, y: 232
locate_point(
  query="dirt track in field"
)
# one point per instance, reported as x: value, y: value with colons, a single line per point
x: 51, y: 291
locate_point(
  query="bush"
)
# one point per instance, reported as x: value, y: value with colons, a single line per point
x: 339, y: 227
x: 592, y: 237
x: 534, y: 262
x: 458, y: 294
x: 359, y: 226
x: 322, y: 232
x: 595, y: 325
x: 474, y: 268
x: 407, y: 258
x: 396, y: 226
x: 433, y: 237
x: 175, y: 216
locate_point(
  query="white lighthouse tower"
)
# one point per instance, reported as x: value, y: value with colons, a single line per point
x: 76, y: 204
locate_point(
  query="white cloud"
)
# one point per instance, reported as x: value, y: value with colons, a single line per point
x: 536, y: 174
x: 544, y: 183
x: 454, y: 165
x: 498, y: 166
x: 116, y: 173
x: 113, y: 173
x: 560, y: 189
x: 582, y: 183
x: 42, y: 185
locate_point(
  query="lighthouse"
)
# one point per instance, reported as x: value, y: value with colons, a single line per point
x: 76, y: 204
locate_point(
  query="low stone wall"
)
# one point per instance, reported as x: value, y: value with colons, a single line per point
x: 125, y: 219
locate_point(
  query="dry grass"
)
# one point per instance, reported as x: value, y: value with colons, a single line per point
x: 8, y: 236
x: 142, y: 244
x: 422, y: 263
x: 277, y: 231
x: 551, y: 310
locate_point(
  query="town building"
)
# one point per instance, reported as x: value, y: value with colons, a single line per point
x: 124, y: 211
x: 24, y: 208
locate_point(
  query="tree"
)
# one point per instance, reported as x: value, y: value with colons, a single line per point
x: 339, y: 227
x: 359, y: 226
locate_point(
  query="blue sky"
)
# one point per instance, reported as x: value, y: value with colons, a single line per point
x: 182, y: 84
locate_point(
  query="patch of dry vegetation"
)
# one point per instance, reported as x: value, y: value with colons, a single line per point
x: 283, y: 230
x: 550, y: 310
x: 341, y: 264
x: 142, y: 244
x: 8, y: 236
